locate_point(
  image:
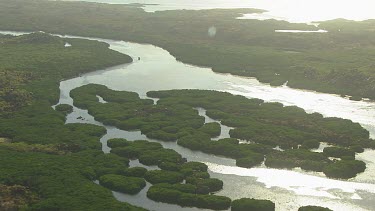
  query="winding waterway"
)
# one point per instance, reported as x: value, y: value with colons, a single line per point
x: 158, y: 70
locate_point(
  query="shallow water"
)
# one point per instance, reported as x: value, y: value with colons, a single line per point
x: 289, y: 10
x: 289, y: 189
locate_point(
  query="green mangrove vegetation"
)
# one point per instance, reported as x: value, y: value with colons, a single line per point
x: 198, y: 189
x: 246, y: 204
x: 183, y: 195
x: 338, y: 152
x: 45, y: 164
x: 313, y: 208
x: 163, y: 176
x: 123, y: 184
x: 339, y: 61
x: 64, y: 108
x: 344, y: 168
x: 263, y: 125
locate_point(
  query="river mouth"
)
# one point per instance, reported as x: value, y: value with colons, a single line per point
x: 149, y: 73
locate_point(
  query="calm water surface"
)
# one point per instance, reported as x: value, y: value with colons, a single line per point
x: 158, y: 70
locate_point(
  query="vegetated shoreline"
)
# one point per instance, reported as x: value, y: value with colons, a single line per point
x: 330, y: 63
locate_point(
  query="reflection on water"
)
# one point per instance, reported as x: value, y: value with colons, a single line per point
x: 289, y: 189
x: 224, y: 130
x: 300, y: 183
x: 301, y: 31
x: 290, y: 10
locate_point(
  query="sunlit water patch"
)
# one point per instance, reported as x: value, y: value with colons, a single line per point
x: 291, y: 10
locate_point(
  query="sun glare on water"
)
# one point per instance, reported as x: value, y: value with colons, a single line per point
x: 318, y: 10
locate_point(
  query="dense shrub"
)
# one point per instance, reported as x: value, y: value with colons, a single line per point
x: 338, y: 152
x: 213, y: 129
x: 344, y: 169
x: 134, y: 172
x: 176, y: 195
x: 313, y: 208
x: 161, y: 176
x: 64, y: 108
x: 212, y: 184
x: 131, y: 185
x: 310, y: 144
x: 297, y: 158
x: 246, y: 204
x: 118, y: 142
x: 250, y: 161
x: 155, y: 157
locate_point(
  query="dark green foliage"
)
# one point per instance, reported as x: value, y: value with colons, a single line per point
x: 56, y: 161
x: 36, y: 77
x: 183, y: 195
x: 161, y: 176
x: 163, y: 122
x: 344, y: 169
x: 64, y: 108
x: 268, y: 123
x: 226, y: 147
x: 109, y: 164
x: 246, y: 204
x: 148, y: 153
x: 40, y: 124
x: 357, y: 148
x: 61, y: 180
x: 169, y: 166
x: 128, y: 152
x: 297, y: 158
x: 162, y: 135
x: 195, y: 166
x: 117, y: 142
x: 194, y: 169
x: 310, y: 144
x: 313, y: 208
x: 130, y: 185
x: 134, y: 172
x: 156, y: 157
x: 212, y: 184
x: 338, y: 152
x: 250, y: 161
x: 213, y: 129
